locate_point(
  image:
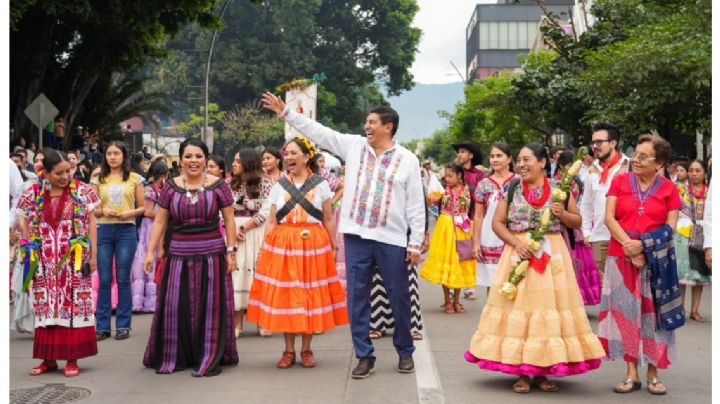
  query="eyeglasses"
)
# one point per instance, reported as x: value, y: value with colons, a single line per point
x: 599, y: 142
x: 642, y: 158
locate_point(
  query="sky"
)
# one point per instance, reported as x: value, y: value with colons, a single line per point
x: 443, y: 23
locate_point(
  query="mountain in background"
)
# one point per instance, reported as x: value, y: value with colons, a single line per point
x: 418, y: 109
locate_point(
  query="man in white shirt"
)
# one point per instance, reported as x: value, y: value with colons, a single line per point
x: 383, y: 198
x: 609, y: 163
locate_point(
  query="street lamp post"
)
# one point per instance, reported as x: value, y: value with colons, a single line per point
x: 207, y: 77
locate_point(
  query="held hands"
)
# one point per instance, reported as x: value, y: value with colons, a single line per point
x: 632, y: 248
x: 107, y: 212
x: 273, y: 103
x: 128, y: 214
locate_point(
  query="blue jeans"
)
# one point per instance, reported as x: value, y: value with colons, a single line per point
x: 115, y: 242
x: 362, y: 257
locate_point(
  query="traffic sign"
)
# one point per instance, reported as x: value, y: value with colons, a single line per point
x: 41, y: 112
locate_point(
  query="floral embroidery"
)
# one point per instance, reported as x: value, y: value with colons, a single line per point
x: 380, y: 187
x: 522, y: 217
x: 456, y: 203
x: 391, y: 182
x: 357, y: 184
x: 365, y: 193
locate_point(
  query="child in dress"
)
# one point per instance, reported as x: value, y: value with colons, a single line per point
x: 451, y: 238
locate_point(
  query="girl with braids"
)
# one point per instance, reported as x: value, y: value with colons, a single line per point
x: 296, y: 289
x: 59, y: 250
x: 250, y: 189
x: 445, y: 265
x: 143, y: 285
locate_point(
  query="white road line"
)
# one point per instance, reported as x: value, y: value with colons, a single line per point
x: 426, y: 374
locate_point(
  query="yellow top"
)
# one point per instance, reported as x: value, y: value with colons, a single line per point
x: 118, y: 195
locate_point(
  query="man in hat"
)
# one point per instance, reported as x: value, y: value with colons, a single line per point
x: 469, y: 156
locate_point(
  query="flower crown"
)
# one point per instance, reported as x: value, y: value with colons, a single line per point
x: 308, y: 144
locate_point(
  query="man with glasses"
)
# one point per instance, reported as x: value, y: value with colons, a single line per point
x: 609, y: 163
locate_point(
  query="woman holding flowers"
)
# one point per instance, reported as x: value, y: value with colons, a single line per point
x: 534, y: 322
x: 59, y: 240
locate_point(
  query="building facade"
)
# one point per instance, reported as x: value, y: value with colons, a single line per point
x: 498, y: 35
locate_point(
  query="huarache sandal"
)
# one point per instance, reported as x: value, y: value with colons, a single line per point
x: 287, y: 360
x: 459, y: 308
x: 448, y: 308
x: 697, y: 317
x: 627, y: 386
x: 71, y: 370
x: 522, y: 386
x: 656, y: 387
x: 43, y: 368
x: 545, y: 385
x: 470, y: 295
x: 417, y: 335
x: 376, y: 334
x: 307, y: 359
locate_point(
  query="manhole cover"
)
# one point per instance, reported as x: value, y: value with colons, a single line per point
x: 50, y: 393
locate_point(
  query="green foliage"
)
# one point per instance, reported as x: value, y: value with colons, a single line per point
x: 438, y: 148
x: 249, y: 126
x: 357, y: 44
x: 194, y: 124
x: 489, y: 115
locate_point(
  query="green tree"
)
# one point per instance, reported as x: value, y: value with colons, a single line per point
x: 489, y: 115
x: 72, y: 49
x: 193, y: 126
x: 249, y: 126
x: 359, y: 45
x: 438, y: 148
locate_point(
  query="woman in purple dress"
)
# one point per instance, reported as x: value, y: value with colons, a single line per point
x: 192, y: 326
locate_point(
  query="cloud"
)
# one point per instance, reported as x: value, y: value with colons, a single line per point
x: 443, y: 40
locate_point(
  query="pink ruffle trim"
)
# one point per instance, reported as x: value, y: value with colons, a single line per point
x: 557, y: 370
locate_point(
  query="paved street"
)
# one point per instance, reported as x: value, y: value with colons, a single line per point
x: 116, y: 375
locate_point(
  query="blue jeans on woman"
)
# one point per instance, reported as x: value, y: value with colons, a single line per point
x: 118, y: 242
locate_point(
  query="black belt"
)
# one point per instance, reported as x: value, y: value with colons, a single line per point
x: 195, y: 229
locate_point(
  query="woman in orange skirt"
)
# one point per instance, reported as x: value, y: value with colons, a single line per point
x: 296, y: 289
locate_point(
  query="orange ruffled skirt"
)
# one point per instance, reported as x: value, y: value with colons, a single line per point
x: 296, y: 287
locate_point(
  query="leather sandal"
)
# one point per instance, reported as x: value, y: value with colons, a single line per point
x: 653, y: 388
x: 307, y: 359
x: 448, y: 308
x: 417, y: 335
x: 376, y: 334
x: 459, y: 308
x: 71, y: 370
x: 545, y: 385
x: 627, y: 386
x: 287, y: 360
x: 522, y: 386
x: 43, y: 368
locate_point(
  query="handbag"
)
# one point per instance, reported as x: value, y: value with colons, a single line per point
x: 464, y: 249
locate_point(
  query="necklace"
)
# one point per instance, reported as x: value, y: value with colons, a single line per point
x: 192, y: 195
x: 698, y: 193
x: 644, y: 196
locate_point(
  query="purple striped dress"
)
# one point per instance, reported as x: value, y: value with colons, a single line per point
x: 193, y: 326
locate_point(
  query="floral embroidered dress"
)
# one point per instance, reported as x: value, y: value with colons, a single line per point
x: 248, y: 209
x: 488, y: 193
x: 444, y: 266
x: 544, y: 330
x: 693, y: 207
x: 61, y: 299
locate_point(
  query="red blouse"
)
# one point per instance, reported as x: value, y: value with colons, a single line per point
x: 641, y: 213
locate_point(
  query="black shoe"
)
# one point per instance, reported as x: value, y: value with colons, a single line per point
x: 122, y: 334
x: 363, y: 369
x: 101, y: 335
x: 406, y: 365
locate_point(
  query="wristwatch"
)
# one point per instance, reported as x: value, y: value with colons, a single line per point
x: 232, y: 249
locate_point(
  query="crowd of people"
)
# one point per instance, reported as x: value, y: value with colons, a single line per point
x: 276, y: 239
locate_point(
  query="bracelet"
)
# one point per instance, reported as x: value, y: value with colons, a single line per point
x: 232, y: 249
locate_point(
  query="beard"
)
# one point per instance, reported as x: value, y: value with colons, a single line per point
x: 605, y: 157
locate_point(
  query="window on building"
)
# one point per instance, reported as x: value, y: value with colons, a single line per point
x: 493, y: 36
x: 507, y: 34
